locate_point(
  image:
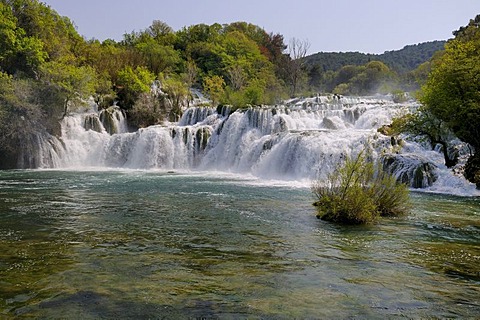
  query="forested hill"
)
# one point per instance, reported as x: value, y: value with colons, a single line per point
x: 403, y: 60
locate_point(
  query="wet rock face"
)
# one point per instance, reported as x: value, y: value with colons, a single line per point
x: 92, y: 122
x: 472, y: 169
x: 329, y: 124
x: 411, y: 169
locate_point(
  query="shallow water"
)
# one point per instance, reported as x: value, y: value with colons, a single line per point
x: 143, y: 244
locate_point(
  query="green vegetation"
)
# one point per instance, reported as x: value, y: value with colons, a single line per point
x: 424, y: 125
x: 452, y: 92
x: 359, y: 192
x: 327, y: 70
x: 451, y: 99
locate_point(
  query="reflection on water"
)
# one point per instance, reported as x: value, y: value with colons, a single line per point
x: 152, y: 245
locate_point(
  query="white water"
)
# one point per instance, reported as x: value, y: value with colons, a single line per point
x: 300, y: 141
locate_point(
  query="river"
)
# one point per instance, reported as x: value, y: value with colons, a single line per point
x: 90, y: 244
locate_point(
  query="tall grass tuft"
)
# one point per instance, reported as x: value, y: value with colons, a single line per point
x: 358, y: 192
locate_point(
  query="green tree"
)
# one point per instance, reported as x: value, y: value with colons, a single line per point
x: 108, y: 57
x: 18, y: 52
x: 214, y: 86
x: 241, y: 60
x: 199, y: 33
x: 452, y: 91
x: 159, y: 58
x: 422, y: 123
x: 178, y: 95
x: 254, y: 92
x: 207, y: 58
x: 56, y: 33
x: 161, y: 32
x: 132, y: 83
x: 74, y: 84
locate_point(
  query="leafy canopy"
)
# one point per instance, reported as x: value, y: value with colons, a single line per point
x: 452, y: 91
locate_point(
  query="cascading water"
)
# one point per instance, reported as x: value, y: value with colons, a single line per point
x: 301, y: 140
x: 113, y: 120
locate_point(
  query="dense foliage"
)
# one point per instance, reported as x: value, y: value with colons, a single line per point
x: 452, y: 92
x: 451, y: 98
x: 359, y: 191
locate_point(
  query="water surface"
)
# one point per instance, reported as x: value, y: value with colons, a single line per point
x: 133, y: 244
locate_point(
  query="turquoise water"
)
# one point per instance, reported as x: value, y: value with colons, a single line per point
x: 139, y: 244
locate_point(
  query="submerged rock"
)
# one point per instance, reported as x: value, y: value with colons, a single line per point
x: 472, y: 169
x: 333, y: 123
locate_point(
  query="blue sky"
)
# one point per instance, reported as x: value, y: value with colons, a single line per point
x: 370, y: 26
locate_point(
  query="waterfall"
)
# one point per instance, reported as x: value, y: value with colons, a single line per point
x: 93, y: 122
x: 300, y: 140
x: 113, y: 120
x: 195, y: 115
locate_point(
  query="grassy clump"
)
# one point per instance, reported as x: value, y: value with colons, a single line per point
x: 358, y: 192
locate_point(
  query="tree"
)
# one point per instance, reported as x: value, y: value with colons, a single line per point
x: 131, y: 83
x: 362, y: 80
x: 73, y: 83
x: 206, y: 58
x: 56, y: 33
x: 452, y: 91
x: 236, y: 77
x: 297, y: 50
x: 108, y: 57
x: 423, y: 123
x: 469, y: 31
x: 214, y: 87
x: 199, y: 33
x: 18, y: 52
x: 159, y: 58
x: 177, y: 94
x: 161, y: 32
x: 191, y: 73
x: 254, y: 92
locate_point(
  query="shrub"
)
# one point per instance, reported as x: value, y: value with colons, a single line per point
x: 399, y: 96
x: 391, y: 196
x: 358, y: 192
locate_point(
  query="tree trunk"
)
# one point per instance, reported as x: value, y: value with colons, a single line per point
x: 448, y: 162
x: 65, y: 108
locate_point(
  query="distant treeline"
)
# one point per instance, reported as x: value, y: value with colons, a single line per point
x: 352, y: 72
x: 404, y: 60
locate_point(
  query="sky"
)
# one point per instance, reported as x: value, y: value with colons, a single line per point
x: 369, y: 26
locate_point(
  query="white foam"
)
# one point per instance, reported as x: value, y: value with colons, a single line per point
x: 273, y: 145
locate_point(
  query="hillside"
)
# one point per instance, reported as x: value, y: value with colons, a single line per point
x: 403, y: 60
